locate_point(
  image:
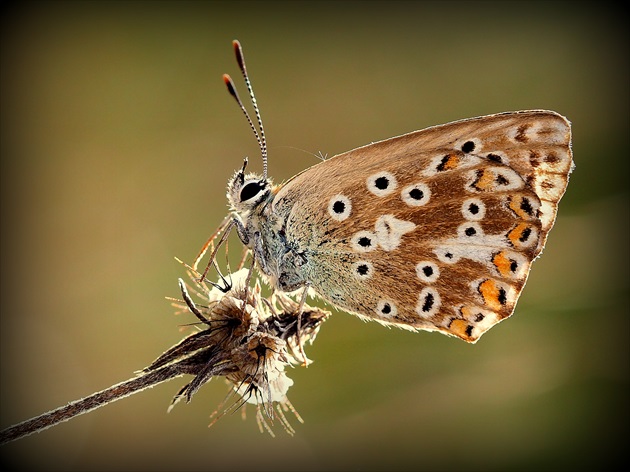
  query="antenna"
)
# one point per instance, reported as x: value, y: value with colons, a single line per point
x: 262, y: 142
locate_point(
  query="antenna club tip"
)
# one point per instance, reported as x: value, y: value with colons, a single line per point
x: 238, y: 51
x: 227, y: 80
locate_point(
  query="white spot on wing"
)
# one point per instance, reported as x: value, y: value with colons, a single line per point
x: 382, y: 183
x: 389, y: 231
x: 428, y: 302
x: 386, y: 309
x: 478, y: 145
x: 416, y: 195
x: 473, y: 209
x: 470, y: 231
x: 337, y: 202
x: 359, y: 241
x: 427, y: 271
x: 477, y: 248
x: 362, y: 270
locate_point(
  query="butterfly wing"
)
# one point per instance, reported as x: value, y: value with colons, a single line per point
x: 435, y: 229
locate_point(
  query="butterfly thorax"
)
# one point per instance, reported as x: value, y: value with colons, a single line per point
x: 263, y: 230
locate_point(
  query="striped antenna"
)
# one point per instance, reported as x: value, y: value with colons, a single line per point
x: 262, y: 142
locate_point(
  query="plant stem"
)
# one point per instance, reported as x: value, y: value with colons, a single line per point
x: 90, y: 403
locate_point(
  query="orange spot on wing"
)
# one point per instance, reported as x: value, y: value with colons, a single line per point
x: 503, y: 264
x: 485, y: 181
x: 490, y: 291
x: 461, y: 328
x: 516, y: 205
x: 452, y: 162
x: 515, y: 235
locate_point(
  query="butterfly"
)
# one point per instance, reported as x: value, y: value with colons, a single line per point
x: 432, y: 230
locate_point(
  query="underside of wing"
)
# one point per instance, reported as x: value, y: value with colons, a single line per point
x: 434, y: 229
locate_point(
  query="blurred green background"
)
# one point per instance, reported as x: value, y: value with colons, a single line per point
x: 118, y: 138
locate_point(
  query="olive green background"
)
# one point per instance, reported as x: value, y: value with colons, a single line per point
x: 118, y: 137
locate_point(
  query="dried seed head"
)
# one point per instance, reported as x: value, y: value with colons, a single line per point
x: 247, y: 339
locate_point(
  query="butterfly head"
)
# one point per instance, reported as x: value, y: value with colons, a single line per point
x: 247, y: 191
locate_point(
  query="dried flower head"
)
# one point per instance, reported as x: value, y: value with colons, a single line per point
x: 247, y: 339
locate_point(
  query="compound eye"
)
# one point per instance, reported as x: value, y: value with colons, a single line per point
x: 251, y: 189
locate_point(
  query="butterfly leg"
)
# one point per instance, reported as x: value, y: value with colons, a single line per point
x: 248, y: 279
x: 254, y: 242
x: 226, y: 227
x: 241, y: 230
